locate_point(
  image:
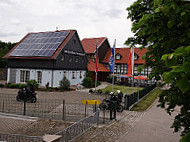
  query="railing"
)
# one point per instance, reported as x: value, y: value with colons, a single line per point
x: 19, y: 138
x: 78, y: 128
x: 130, y: 100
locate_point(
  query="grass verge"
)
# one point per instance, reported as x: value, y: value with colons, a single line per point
x: 123, y: 89
x: 147, y: 100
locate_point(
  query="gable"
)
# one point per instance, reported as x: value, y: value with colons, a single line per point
x: 89, y: 44
x: 72, y: 56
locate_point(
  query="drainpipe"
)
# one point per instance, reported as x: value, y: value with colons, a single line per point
x: 52, y: 76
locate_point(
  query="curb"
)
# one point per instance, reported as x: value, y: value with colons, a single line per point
x: 15, y: 116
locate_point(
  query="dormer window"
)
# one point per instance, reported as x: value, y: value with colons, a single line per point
x: 136, y: 56
x: 117, y: 56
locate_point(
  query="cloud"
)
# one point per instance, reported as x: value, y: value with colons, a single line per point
x: 92, y: 18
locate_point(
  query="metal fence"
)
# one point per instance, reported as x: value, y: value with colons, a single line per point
x: 19, y: 138
x: 45, y: 108
x: 84, y: 116
x: 78, y: 128
x: 130, y: 100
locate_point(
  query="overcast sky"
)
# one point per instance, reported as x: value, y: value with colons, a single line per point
x: 91, y: 18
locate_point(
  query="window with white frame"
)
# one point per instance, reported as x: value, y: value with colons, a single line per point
x: 65, y: 74
x: 39, y: 77
x: 135, y: 56
x: 118, y: 57
x: 24, y: 75
x: 74, y: 75
x: 80, y: 74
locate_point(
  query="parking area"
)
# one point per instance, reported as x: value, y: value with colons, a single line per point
x: 68, y: 96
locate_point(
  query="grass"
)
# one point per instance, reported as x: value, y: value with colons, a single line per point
x: 123, y: 89
x: 147, y: 100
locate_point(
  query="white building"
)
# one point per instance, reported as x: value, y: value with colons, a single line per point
x: 47, y: 57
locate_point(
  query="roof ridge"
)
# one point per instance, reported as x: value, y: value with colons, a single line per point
x: 94, y: 38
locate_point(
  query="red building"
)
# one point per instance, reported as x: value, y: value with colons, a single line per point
x: 121, y: 58
x: 103, y: 46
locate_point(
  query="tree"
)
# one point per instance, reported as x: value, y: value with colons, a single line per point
x: 162, y: 27
x: 4, y: 48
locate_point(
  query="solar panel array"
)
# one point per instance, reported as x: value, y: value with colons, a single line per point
x: 40, y: 44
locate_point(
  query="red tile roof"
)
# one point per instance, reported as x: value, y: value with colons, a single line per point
x: 59, y: 49
x: 124, y: 52
x: 89, y: 44
x: 101, y: 67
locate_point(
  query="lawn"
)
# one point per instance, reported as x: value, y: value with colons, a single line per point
x: 147, y: 100
x: 123, y: 89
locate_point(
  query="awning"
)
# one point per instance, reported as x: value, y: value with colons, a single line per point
x: 140, y: 77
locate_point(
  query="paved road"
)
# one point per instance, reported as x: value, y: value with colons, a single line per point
x: 154, y: 126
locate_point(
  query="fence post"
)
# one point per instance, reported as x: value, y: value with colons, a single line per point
x: 98, y: 116
x: 125, y: 101
x: 63, y: 111
x: 85, y: 107
x: 24, y: 113
x: 128, y: 101
x: 3, y: 106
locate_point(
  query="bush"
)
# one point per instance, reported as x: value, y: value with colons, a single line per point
x: 98, y: 83
x: 34, y: 82
x: 87, y: 82
x: 64, y: 84
x: 2, y: 85
x: 13, y: 85
x: 109, y: 79
x: 21, y: 86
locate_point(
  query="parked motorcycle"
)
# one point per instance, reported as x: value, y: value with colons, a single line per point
x: 106, y: 103
x: 27, y: 94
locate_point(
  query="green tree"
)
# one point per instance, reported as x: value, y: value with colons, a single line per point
x: 4, y: 49
x: 162, y: 27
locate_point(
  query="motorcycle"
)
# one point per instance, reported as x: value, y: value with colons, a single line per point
x: 27, y: 94
x: 106, y: 103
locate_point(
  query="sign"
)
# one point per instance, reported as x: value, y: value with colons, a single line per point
x: 91, y: 102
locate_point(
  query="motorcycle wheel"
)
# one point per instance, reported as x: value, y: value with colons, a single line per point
x: 33, y: 99
x: 18, y: 98
x: 120, y: 108
x: 103, y: 106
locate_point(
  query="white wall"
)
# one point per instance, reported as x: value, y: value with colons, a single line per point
x: 47, y: 76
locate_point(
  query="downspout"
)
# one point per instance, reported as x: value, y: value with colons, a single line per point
x: 52, y: 75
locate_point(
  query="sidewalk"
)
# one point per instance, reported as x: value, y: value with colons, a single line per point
x: 154, y: 126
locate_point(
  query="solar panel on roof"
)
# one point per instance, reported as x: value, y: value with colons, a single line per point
x: 40, y: 44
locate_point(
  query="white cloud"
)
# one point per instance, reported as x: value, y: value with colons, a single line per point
x: 92, y: 18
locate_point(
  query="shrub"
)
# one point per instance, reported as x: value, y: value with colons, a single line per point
x: 87, y: 82
x: 109, y: 79
x: 2, y: 85
x: 13, y: 85
x: 98, y: 83
x: 64, y: 84
x: 34, y: 82
x: 21, y: 86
